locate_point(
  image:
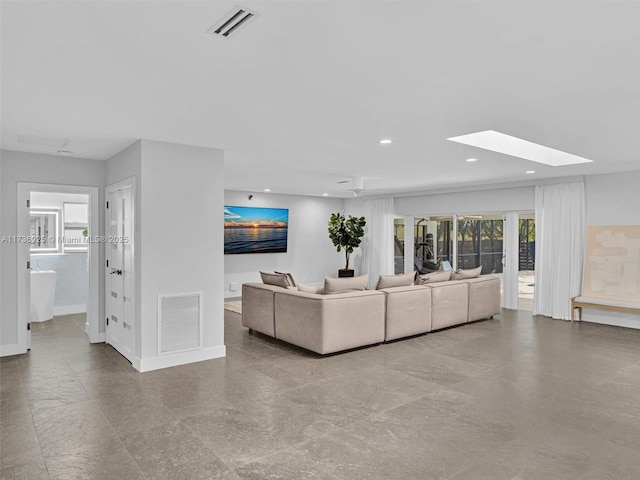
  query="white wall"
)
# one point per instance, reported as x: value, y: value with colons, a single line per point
x: 613, y: 199
x: 34, y: 168
x: 310, y: 254
x: 181, y: 202
x: 484, y: 201
x: 56, y: 200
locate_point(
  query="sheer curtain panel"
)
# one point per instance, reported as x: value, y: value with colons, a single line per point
x: 560, y: 231
x: 377, y: 244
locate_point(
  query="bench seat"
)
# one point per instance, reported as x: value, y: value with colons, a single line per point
x: 611, y: 304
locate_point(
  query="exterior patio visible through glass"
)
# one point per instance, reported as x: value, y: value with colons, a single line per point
x: 479, y: 242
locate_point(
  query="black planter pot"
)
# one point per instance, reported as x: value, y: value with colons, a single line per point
x: 345, y: 273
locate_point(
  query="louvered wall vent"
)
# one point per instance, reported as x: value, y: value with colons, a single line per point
x: 231, y: 23
x: 179, y: 323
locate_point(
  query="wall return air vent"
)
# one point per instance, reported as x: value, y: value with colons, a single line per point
x: 232, y: 22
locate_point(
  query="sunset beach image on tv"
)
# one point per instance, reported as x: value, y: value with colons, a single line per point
x: 255, y: 230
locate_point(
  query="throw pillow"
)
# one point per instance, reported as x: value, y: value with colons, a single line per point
x: 310, y: 288
x: 289, y: 278
x: 277, y: 279
x: 402, y: 280
x: 464, y: 274
x: 434, y: 277
x: 345, y: 284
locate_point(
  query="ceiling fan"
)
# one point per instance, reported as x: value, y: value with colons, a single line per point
x: 357, y: 185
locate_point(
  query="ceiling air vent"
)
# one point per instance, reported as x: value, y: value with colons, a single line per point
x: 42, y: 141
x: 231, y: 22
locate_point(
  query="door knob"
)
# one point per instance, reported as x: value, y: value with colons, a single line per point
x: 117, y: 272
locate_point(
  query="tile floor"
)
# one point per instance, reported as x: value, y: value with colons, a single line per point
x: 511, y: 398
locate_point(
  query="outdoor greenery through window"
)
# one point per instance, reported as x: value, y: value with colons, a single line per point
x: 480, y: 239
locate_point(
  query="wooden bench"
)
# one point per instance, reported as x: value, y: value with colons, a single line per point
x: 609, y: 304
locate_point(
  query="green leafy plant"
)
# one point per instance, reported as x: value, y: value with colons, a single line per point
x: 346, y: 233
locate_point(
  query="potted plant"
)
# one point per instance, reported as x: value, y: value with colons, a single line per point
x: 346, y: 233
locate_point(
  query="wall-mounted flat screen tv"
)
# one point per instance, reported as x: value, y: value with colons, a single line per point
x: 255, y: 230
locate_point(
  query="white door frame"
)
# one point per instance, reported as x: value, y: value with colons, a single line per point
x: 92, y: 325
x: 510, y: 260
x: 129, y: 182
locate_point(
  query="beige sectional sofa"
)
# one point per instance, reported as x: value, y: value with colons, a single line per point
x: 342, y: 321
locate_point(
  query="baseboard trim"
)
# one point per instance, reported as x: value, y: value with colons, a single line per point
x: 69, y: 309
x: 100, y: 338
x: 7, y: 350
x: 626, y: 320
x: 165, y: 361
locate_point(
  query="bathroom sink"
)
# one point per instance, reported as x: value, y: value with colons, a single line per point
x: 43, y: 291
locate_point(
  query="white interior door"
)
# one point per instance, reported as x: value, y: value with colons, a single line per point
x: 120, y: 328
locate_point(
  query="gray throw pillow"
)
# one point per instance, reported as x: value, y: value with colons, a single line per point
x: 289, y: 278
x: 402, y: 280
x: 277, y: 279
x: 345, y: 284
x: 434, y: 277
x: 464, y: 274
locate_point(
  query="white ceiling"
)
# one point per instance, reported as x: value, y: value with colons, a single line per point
x: 299, y: 98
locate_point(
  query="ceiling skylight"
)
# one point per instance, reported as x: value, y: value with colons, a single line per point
x: 516, y: 147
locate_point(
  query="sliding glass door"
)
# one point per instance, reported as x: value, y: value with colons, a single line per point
x: 480, y: 242
x: 526, y: 260
x: 433, y: 242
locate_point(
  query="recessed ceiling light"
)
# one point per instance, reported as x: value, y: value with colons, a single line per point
x: 267, y: 189
x: 529, y: 172
x: 516, y: 147
x: 325, y: 194
x: 470, y: 160
x: 385, y: 141
x: 65, y: 152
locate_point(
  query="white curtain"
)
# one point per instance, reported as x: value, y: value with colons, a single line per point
x: 377, y: 243
x: 560, y: 231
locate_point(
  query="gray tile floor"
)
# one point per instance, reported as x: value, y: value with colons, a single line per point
x: 511, y: 398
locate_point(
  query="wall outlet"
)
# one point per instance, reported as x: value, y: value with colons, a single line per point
x: 234, y: 286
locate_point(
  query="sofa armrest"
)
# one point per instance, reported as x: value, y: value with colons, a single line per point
x: 330, y: 323
x: 258, y: 307
x: 484, y: 297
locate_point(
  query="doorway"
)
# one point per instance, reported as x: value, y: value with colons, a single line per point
x: 526, y: 260
x: 120, y: 326
x: 48, y: 228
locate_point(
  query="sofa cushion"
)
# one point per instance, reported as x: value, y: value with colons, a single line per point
x: 402, y: 280
x: 290, y: 280
x: 464, y: 274
x: 310, y: 288
x: 277, y: 279
x: 345, y: 284
x: 433, y: 277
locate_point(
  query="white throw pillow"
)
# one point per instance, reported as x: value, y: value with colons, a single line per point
x: 402, y: 280
x: 345, y: 284
x: 464, y: 274
x: 310, y: 288
x: 434, y: 277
